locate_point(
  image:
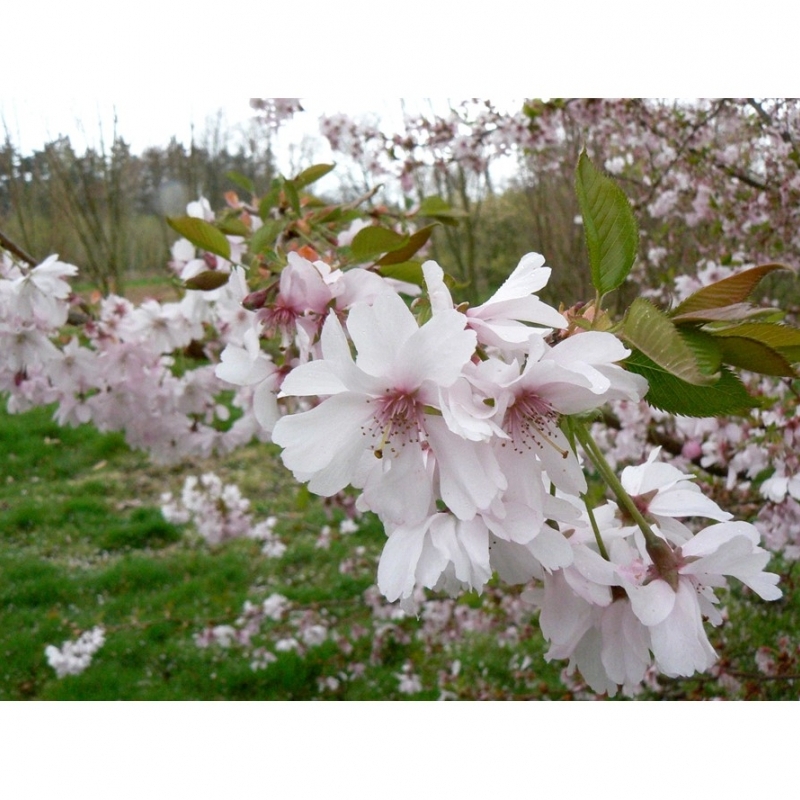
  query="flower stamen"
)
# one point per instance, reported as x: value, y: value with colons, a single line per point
x: 528, y: 421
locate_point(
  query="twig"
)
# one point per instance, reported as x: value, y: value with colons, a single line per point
x: 359, y: 200
x: 16, y: 250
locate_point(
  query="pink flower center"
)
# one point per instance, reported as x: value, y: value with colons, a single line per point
x: 398, y: 419
x: 279, y: 317
x: 528, y: 422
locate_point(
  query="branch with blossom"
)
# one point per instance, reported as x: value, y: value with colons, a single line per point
x: 466, y: 430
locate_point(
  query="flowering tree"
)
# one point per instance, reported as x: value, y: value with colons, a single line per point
x: 469, y: 430
x: 708, y: 179
x: 714, y: 186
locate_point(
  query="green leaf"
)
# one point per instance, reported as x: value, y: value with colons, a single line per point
x: 312, y: 174
x: 775, y: 336
x: 791, y: 354
x: 651, y: 331
x: 430, y: 206
x: 233, y: 226
x: 208, y: 280
x: 292, y: 196
x: 201, y: 234
x: 705, y: 348
x: 265, y: 236
x: 755, y: 356
x: 727, y: 396
x: 418, y: 240
x: 269, y: 200
x: 726, y: 292
x: 409, y: 271
x: 312, y: 201
x: 439, y: 209
x: 242, y: 181
x: 375, y: 240
x: 612, y: 236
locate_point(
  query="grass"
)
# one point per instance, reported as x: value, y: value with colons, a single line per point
x: 84, y: 543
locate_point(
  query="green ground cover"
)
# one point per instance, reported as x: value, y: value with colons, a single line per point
x: 83, y: 543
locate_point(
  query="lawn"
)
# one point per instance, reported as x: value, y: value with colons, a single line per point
x: 84, y: 544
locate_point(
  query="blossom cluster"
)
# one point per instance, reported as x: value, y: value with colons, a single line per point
x: 120, y: 372
x: 73, y: 657
x: 219, y: 513
x: 455, y: 432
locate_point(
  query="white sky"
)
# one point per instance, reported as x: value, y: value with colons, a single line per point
x: 164, y: 70
x: 152, y: 120
x: 142, y: 121
x: 164, y: 65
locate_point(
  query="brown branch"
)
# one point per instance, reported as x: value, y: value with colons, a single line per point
x: 16, y: 250
x: 767, y: 119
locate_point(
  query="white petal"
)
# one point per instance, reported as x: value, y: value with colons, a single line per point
x: 399, y: 560
x: 379, y: 331
x: 687, y: 503
x: 469, y: 475
x: 528, y: 277
x: 679, y: 642
x: 653, y: 602
x: 324, y: 443
x: 436, y: 352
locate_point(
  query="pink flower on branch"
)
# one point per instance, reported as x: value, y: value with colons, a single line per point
x: 379, y: 419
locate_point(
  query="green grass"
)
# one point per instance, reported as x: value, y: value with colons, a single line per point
x: 83, y: 543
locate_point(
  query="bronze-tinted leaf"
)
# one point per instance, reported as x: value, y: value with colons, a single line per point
x: 735, y: 289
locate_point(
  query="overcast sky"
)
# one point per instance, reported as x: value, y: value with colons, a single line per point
x: 142, y: 121
x: 166, y: 67
x: 152, y: 121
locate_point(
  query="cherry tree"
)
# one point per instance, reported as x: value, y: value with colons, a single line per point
x: 469, y: 429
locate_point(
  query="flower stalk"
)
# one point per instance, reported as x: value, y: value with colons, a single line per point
x: 596, y: 456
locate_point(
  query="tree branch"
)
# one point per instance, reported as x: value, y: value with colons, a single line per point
x: 7, y: 244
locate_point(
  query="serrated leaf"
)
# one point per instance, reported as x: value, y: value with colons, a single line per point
x: 265, y: 236
x: 727, y: 396
x: 409, y: 271
x: 706, y: 350
x: 612, y: 235
x: 208, y: 280
x: 732, y: 313
x: 651, y: 331
x: 201, y: 234
x: 727, y: 292
x: 755, y: 356
x: 375, y: 240
x: 775, y: 336
x: 242, y: 181
x: 791, y: 354
x: 417, y: 241
x: 312, y: 174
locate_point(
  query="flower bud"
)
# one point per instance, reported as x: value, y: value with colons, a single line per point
x: 255, y: 300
